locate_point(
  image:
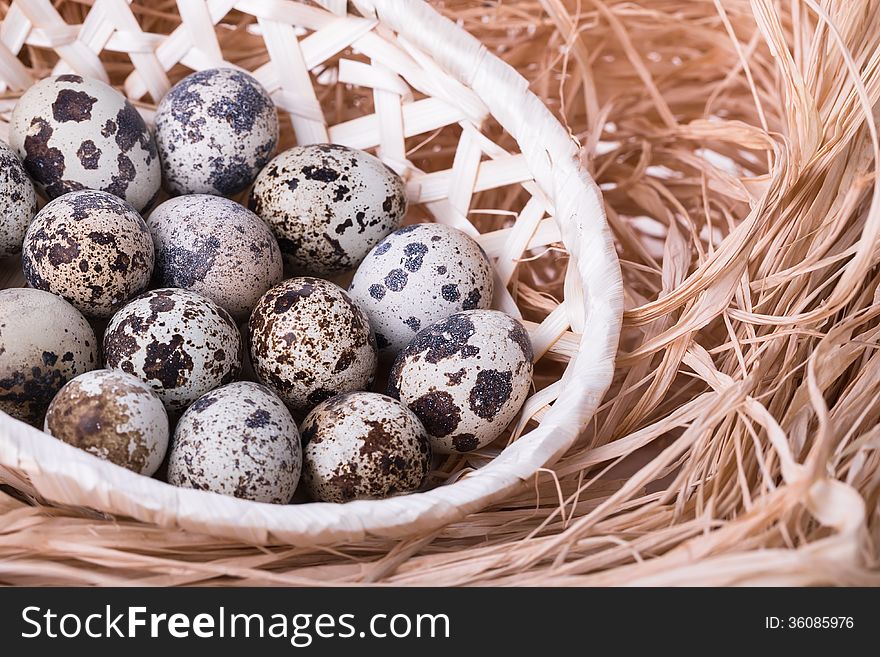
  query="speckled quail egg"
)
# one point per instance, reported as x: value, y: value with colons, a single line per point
x: 216, y: 129
x: 465, y: 377
x: 114, y: 416
x: 78, y: 133
x: 44, y: 342
x: 18, y: 202
x: 181, y: 343
x: 91, y: 248
x: 310, y: 341
x: 328, y: 206
x: 238, y: 440
x: 215, y: 247
x: 363, y: 445
x: 419, y: 275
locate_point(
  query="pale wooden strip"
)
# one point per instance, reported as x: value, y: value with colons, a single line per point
x: 6, y: 107
x: 392, y: 149
x: 496, y: 152
x: 196, y: 60
x: 549, y: 331
x: 298, y: 105
x: 538, y: 416
x: 465, y: 168
x: 75, y: 53
x: 418, y: 117
x: 338, y: 35
x: 134, y: 43
x: 12, y: 71
x: 142, y: 46
x: 574, y: 304
x: 470, y: 102
x: 375, y: 77
x: 291, y: 13
x: 494, y: 243
x: 465, y: 165
x: 398, y: 60
x: 175, y: 48
x: 567, y: 345
x: 492, y: 174
x: 287, y: 58
x: 55, y: 36
x: 318, y: 47
x: 379, y: 49
x: 533, y: 405
x: 148, y: 114
x: 196, y: 20
x: 503, y: 299
x: 339, y: 7
x: 95, y: 32
x: 14, y: 28
x: 95, y: 28
x: 444, y: 213
x: 518, y: 238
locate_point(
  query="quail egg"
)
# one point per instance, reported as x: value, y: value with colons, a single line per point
x: 310, y: 341
x: 363, y: 445
x: 216, y: 129
x: 238, y: 440
x: 18, y: 202
x: 215, y: 247
x: 44, y: 342
x: 419, y: 275
x: 181, y: 343
x: 465, y: 377
x: 328, y: 205
x: 77, y: 133
x: 90, y: 247
x: 113, y: 416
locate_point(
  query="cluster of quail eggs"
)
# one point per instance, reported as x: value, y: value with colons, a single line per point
x: 231, y: 362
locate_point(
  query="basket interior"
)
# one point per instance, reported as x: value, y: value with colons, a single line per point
x: 352, y: 80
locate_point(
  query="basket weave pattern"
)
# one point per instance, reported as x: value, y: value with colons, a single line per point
x: 735, y: 144
x: 425, y: 77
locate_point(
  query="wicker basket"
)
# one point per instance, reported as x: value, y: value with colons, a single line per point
x: 420, y: 75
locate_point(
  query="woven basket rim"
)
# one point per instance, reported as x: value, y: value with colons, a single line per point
x: 64, y: 474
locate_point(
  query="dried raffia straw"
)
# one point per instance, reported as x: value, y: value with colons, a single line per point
x: 735, y: 146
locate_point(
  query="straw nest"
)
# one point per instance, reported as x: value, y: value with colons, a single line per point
x: 736, y: 146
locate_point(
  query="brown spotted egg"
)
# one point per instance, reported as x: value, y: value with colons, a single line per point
x: 215, y: 129
x: 215, y: 247
x: 44, y: 342
x: 465, y: 377
x: 419, y: 275
x: 18, y: 202
x: 113, y: 416
x: 328, y: 206
x: 91, y: 248
x: 310, y: 341
x: 79, y: 133
x: 363, y: 445
x: 179, y: 342
x: 238, y: 440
